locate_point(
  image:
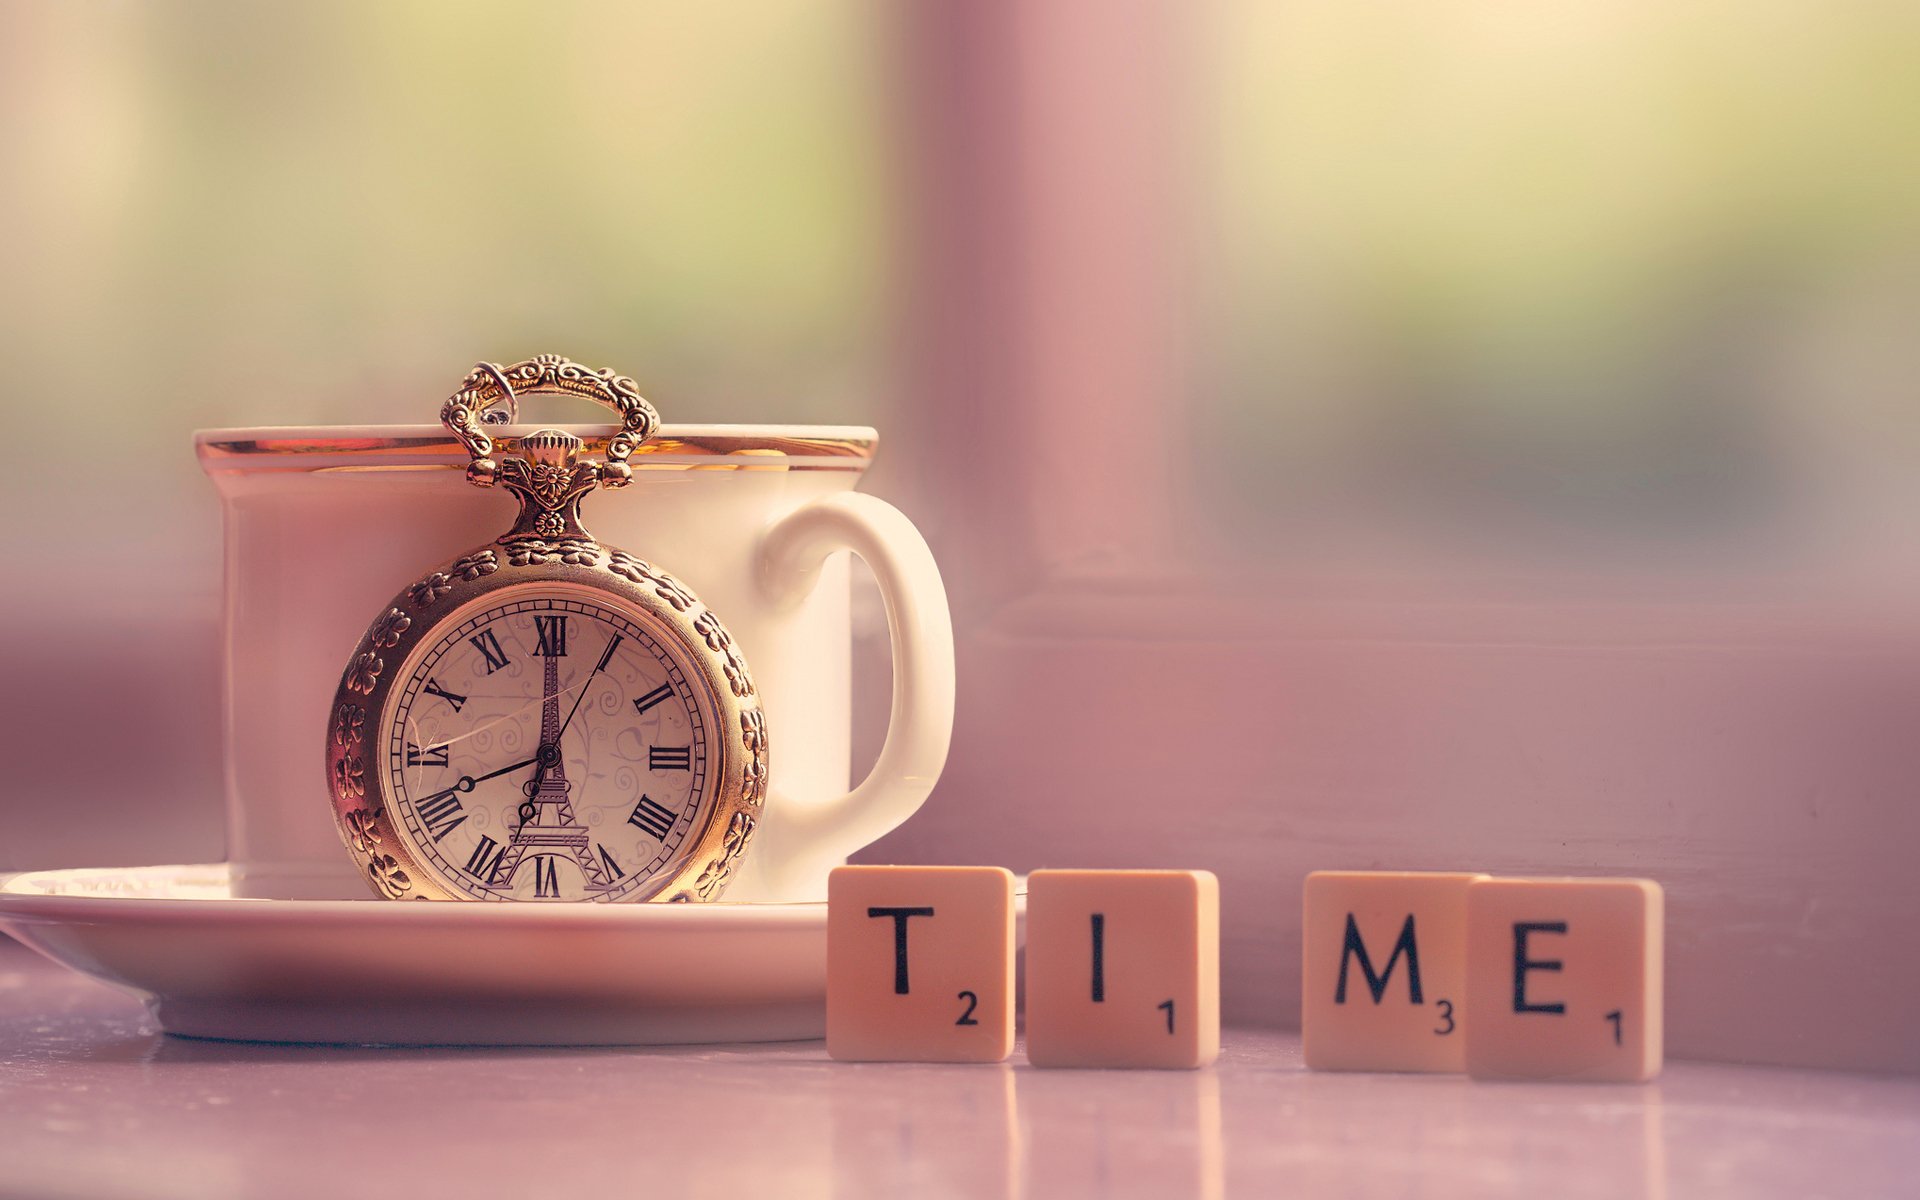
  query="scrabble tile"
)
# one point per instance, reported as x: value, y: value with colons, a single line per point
x: 1564, y: 979
x: 920, y: 964
x: 1123, y: 968
x: 1384, y: 970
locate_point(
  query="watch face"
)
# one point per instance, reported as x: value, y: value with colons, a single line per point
x: 543, y: 744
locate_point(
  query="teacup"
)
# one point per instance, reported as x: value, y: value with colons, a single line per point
x: 323, y: 524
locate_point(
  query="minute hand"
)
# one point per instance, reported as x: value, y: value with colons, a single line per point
x: 605, y: 657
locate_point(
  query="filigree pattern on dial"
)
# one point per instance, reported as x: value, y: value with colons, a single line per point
x: 364, y: 673
x: 719, y: 873
x: 387, y: 630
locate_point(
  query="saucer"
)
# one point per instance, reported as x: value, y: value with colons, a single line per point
x: 210, y: 963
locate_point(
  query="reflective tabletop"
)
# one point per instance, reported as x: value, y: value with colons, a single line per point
x: 95, y: 1102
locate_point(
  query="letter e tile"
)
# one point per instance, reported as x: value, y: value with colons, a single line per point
x: 920, y: 964
x: 1384, y: 970
x: 1123, y: 968
x: 1564, y: 979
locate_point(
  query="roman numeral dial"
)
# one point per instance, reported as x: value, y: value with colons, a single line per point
x: 442, y: 813
x: 426, y: 756
x: 484, y: 863
x: 548, y: 747
x: 669, y: 758
x: 653, y: 817
x: 488, y: 644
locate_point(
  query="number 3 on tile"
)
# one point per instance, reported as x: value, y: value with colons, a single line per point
x: 1168, y: 1006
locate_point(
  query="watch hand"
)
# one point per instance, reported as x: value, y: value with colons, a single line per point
x: 466, y: 782
x: 605, y: 658
x: 497, y: 721
x: 525, y: 762
x: 549, y: 755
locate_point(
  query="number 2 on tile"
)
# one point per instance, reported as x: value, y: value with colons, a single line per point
x: 1168, y: 1005
x: 973, y: 1002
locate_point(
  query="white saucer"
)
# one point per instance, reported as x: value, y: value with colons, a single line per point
x: 212, y: 964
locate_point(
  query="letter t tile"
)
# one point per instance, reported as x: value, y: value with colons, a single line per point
x: 920, y: 964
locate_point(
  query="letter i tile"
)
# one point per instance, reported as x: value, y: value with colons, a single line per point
x: 1123, y: 968
x: 920, y: 964
x: 1564, y: 979
x: 1384, y: 970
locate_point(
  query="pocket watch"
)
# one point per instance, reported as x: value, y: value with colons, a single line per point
x: 546, y: 717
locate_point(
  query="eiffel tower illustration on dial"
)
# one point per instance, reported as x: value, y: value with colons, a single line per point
x: 548, y: 826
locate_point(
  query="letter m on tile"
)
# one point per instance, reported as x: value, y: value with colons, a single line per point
x: 1377, y: 984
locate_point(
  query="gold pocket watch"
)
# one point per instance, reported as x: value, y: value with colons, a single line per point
x: 546, y: 717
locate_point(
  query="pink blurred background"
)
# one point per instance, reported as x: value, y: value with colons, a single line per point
x: 1451, y: 434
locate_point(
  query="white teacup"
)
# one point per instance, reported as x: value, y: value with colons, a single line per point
x: 323, y: 524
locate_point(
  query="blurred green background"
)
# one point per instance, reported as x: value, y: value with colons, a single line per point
x: 231, y: 214
x: 1636, y: 272
x: 1582, y: 266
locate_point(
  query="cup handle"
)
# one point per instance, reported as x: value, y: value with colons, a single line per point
x: 806, y: 835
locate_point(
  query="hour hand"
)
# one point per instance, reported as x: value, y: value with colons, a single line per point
x: 465, y: 782
x: 525, y: 762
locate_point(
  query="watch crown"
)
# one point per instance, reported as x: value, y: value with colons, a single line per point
x: 550, y: 447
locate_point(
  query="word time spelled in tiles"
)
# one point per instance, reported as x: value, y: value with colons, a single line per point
x: 1123, y: 968
x: 1564, y: 979
x: 920, y: 964
x: 1384, y: 970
